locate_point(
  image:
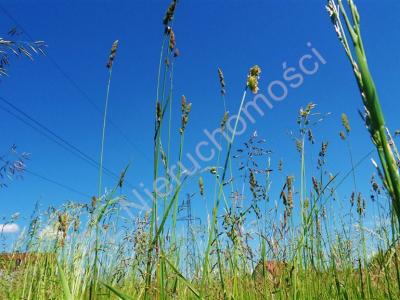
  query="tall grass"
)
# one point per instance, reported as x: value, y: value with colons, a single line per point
x: 295, y: 244
x: 373, y: 116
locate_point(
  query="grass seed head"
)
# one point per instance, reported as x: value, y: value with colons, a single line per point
x: 315, y: 185
x: 374, y: 184
x: 253, y: 184
x: 121, y: 180
x: 163, y: 157
x: 221, y: 81
x: 299, y: 145
x: 255, y: 71
x: 158, y: 112
x: 252, y: 79
x: 172, y: 40
x: 322, y: 154
x: 306, y: 203
x: 283, y: 197
x: 252, y: 83
x: 183, y: 103
x: 334, y: 16
x: 169, y: 14
x: 352, y: 198
x: 310, y: 136
x: 289, y: 183
x: 63, y: 226
x: 113, y: 53
x: 185, y: 108
x: 93, y: 203
x: 345, y: 123
x: 360, y: 204
x: 201, y: 186
x: 331, y: 9
x: 324, y: 148
x: 287, y: 197
x: 224, y: 119
x: 304, y: 113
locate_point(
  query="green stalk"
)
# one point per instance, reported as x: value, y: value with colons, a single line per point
x: 302, y: 201
x: 109, y: 66
x: 155, y: 172
x: 220, y: 267
x: 375, y: 119
x: 178, y: 176
x: 64, y: 283
x: 217, y: 200
x: 169, y: 105
x: 103, y: 135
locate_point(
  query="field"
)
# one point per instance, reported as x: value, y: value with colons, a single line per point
x: 269, y: 234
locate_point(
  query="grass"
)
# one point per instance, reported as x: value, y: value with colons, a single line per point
x: 297, y: 249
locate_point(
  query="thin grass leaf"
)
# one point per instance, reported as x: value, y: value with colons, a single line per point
x: 117, y: 292
x: 64, y: 283
x: 188, y: 284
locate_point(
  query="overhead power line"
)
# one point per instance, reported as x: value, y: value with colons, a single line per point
x: 51, y: 135
x: 74, y: 84
x: 52, y: 181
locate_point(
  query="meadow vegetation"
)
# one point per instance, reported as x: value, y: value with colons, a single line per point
x: 298, y: 247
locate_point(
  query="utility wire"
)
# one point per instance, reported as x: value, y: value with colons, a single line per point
x: 51, y: 135
x: 39, y: 130
x: 33, y: 127
x: 77, y: 87
x: 64, y: 186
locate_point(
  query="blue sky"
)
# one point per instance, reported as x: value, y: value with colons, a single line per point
x: 59, y: 90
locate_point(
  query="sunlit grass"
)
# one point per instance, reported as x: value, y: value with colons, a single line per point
x: 299, y: 248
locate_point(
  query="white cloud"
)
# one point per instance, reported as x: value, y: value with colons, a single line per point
x: 49, y: 233
x: 9, y: 228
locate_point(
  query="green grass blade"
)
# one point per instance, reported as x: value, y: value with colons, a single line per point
x: 117, y: 292
x: 188, y: 284
x: 64, y: 283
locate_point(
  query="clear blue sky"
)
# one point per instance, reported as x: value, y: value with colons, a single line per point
x: 233, y: 35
